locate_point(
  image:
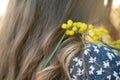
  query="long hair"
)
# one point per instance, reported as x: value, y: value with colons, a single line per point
x: 30, y: 31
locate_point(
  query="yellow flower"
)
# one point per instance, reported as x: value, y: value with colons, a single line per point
x: 91, y: 33
x: 98, y: 34
x: 118, y: 41
x: 74, y: 24
x: 69, y: 32
x: 69, y: 23
x: 81, y: 30
x: 74, y: 28
x: 117, y: 46
x: 84, y: 26
x: 90, y: 26
x: 103, y: 30
x: 64, y: 26
x: 78, y: 24
x: 95, y: 38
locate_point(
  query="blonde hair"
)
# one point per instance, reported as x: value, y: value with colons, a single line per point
x: 27, y: 36
x: 59, y: 63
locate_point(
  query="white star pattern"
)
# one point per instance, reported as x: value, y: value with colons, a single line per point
x: 110, y: 55
x: 115, y: 52
x: 95, y: 65
x: 80, y: 72
x: 79, y: 62
x: 75, y: 59
x: 118, y: 63
x: 109, y: 77
x: 106, y: 49
x: 74, y: 77
x: 92, y: 60
x: 115, y: 74
x: 86, y: 52
x: 96, y: 49
x: 106, y: 64
x: 99, y: 72
x: 71, y: 70
x: 91, y: 69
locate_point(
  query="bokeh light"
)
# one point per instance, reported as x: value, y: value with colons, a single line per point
x: 3, y: 6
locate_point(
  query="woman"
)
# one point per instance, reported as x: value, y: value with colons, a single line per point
x: 27, y: 38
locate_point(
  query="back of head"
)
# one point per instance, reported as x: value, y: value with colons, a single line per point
x: 26, y: 28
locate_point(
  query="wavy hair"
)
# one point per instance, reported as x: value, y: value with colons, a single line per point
x: 30, y: 31
x: 58, y: 67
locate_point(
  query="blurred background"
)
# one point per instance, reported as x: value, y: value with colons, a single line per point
x: 114, y: 12
x: 3, y: 6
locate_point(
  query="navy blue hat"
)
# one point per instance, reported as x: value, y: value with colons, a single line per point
x: 97, y: 62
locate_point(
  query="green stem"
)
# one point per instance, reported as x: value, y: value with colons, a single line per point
x: 52, y: 54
